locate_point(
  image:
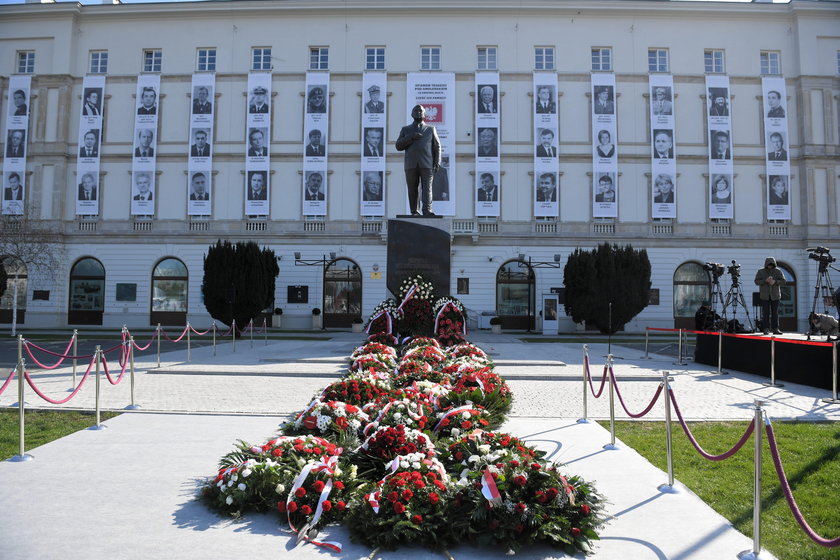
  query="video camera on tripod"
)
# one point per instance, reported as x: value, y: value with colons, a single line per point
x: 734, y: 297
x: 715, y: 268
x: 821, y: 254
x: 823, y: 290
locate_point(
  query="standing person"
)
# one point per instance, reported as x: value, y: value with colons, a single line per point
x: 374, y: 105
x: 770, y: 281
x: 421, y: 145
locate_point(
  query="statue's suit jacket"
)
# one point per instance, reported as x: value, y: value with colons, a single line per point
x: 423, y: 152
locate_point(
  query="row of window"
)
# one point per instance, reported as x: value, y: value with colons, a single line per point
x: 430, y: 59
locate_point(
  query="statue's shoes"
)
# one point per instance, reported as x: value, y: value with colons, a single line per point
x: 429, y: 214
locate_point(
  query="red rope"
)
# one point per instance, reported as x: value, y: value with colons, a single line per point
x: 624, y: 406
x: 70, y: 396
x: 149, y: 344
x: 200, y: 333
x: 108, y: 375
x: 177, y: 339
x: 696, y: 445
x: 62, y: 357
x: 794, y: 509
x: 589, y: 376
x: 8, y: 381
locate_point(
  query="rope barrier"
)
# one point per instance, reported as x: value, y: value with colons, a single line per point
x: 794, y: 509
x: 589, y: 377
x: 624, y: 406
x: 200, y: 333
x: 62, y: 356
x: 177, y: 339
x: 709, y: 456
x: 8, y: 381
x: 108, y: 375
x: 70, y: 396
x: 143, y: 348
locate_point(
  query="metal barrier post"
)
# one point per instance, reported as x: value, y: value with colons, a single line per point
x: 97, y: 356
x: 720, y: 352
x: 188, y: 341
x: 833, y: 398
x: 611, y: 444
x: 773, y: 365
x: 679, y: 361
x: 584, y: 419
x: 668, y: 488
x: 158, y: 344
x: 233, y: 334
x: 132, y: 406
x: 251, y: 327
x: 75, y: 353
x: 265, y: 330
x: 21, y: 368
x: 647, y: 356
x: 214, y: 338
x: 756, y: 549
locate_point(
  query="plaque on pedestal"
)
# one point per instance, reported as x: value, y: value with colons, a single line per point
x: 414, y: 248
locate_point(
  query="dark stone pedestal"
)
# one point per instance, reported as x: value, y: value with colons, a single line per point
x: 417, y: 248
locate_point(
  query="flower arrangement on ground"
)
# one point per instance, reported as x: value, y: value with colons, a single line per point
x: 355, y: 390
x: 339, y: 421
x: 385, y: 318
x: 450, y: 321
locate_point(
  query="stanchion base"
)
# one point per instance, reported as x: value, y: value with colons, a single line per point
x: 98, y: 427
x: 679, y: 363
x: 584, y: 421
x: 831, y: 401
x: 645, y: 358
x: 721, y: 372
x: 21, y: 458
x: 17, y: 404
x: 669, y: 489
x: 750, y: 555
x: 773, y: 384
x: 71, y: 389
x: 612, y: 447
x: 132, y: 407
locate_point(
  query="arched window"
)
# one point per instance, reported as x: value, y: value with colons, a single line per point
x: 342, y: 293
x: 15, y: 291
x: 170, y: 281
x: 692, y: 288
x: 87, y: 292
x: 787, y: 306
x: 515, y: 295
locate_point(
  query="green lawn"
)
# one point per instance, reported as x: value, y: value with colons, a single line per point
x: 810, y: 454
x: 41, y: 426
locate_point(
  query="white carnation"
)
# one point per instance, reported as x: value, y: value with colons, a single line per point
x: 242, y: 487
x: 485, y: 449
x: 246, y: 473
x: 280, y: 489
x: 229, y: 500
x: 456, y: 432
x: 473, y: 459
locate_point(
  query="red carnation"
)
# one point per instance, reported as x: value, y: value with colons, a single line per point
x: 417, y: 519
x: 535, y: 466
x: 520, y: 480
x: 399, y: 508
x: 306, y: 510
x: 514, y: 463
x: 434, y: 498
x: 393, y: 497
x: 340, y: 505
x: 277, y: 452
x: 318, y: 486
x: 317, y: 451
x: 407, y: 494
x: 584, y: 509
x: 575, y: 532
x: 541, y: 497
x: 520, y: 507
x: 519, y: 527
x: 281, y: 507
x: 351, y: 409
x: 338, y: 485
x: 466, y: 424
x: 292, y: 507
x: 459, y: 456
x: 300, y: 492
x: 341, y: 422
x: 326, y: 505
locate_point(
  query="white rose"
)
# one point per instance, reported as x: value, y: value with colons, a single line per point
x: 456, y: 432
x: 404, y: 464
x: 229, y: 500
x: 280, y: 489
x: 473, y: 459
x: 230, y: 483
x: 465, y: 415
x: 242, y: 487
x: 246, y: 473
x: 415, y: 465
x: 235, y: 477
x: 485, y: 449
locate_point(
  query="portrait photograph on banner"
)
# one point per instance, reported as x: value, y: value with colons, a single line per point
x: 257, y: 145
x: 16, y: 137
x: 90, y: 146
x: 721, y: 168
x: 776, y: 145
x: 605, y: 152
x: 663, y: 147
x: 373, y: 146
x: 435, y: 91
x: 199, y: 175
x: 144, y: 158
x: 546, y: 145
x: 487, y: 134
x: 487, y: 192
x: 315, y: 192
x: 315, y: 138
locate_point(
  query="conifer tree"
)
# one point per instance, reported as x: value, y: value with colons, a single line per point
x: 238, y: 281
x: 3, y: 279
x: 607, y: 274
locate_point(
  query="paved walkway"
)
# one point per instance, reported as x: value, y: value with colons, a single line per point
x: 127, y: 491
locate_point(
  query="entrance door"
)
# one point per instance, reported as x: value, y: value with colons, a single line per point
x: 169, y: 293
x: 342, y: 293
x: 515, y: 295
x: 87, y: 292
x: 12, y: 307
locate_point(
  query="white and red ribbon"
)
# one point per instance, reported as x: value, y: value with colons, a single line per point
x: 489, y: 489
x: 387, y: 319
x: 451, y: 306
x: 451, y: 413
x: 407, y: 297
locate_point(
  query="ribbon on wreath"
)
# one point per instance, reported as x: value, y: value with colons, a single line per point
x: 489, y: 489
x: 407, y: 297
x: 388, y: 321
x: 326, y: 464
x: 443, y: 309
x: 373, y: 500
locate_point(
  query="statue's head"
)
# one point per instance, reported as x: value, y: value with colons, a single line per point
x: 418, y: 112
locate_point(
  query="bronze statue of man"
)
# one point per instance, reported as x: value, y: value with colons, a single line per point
x: 421, y: 145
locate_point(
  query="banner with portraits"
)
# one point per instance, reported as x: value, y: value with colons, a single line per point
x: 435, y: 91
x: 374, y: 120
x: 719, y: 115
x: 143, y: 163
x: 488, y: 118
x: 546, y: 146
x: 605, y: 150
x: 17, y: 131
x: 200, y: 162
x: 88, y: 190
x: 776, y: 146
x: 258, y: 144
x: 316, y: 131
x: 663, y: 145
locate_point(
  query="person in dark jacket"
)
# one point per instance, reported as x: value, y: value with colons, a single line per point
x: 770, y: 281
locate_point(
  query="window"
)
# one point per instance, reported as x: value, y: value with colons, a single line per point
x: 657, y: 60
x: 487, y: 58
x: 771, y: 62
x: 601, y: 58
x: 206, y: 60
x: 26, y: 62
x: 151, y: 60
x: 375, y: 58
x: 713, y: 62
x: 319, y: 58
x: 429, y: 58
x: 261, y: 59
x: 98, y: 62
x: 544, y: 58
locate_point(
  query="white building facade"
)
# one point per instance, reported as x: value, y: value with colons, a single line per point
x: 138, y: 261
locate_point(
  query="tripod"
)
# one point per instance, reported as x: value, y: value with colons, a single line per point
x: 734, y: 297
x: 823, y: 288
x: 717, y: 297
